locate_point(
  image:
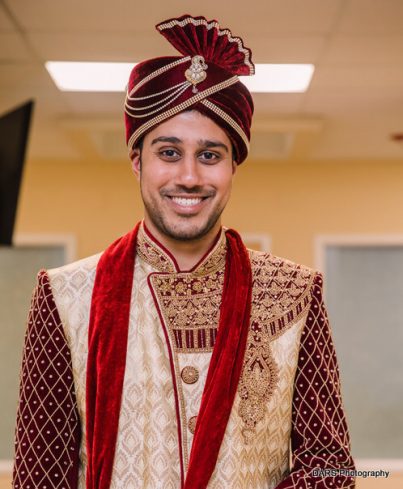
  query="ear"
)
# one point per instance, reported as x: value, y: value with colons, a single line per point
x: 135, y: 157
x: 234, y: 167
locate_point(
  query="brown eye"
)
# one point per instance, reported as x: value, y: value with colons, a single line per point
x: 209, y: 156
x: 169, y: 154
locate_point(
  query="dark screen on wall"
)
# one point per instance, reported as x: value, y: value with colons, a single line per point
x: 14, y: 129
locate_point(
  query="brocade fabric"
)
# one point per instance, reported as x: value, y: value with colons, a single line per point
x: 288, y: 397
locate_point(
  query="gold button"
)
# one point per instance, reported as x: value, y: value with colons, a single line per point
x: 189, y: 375
x: 192, y: 424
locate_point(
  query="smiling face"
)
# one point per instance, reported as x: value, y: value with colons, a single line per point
x: 185, y: 168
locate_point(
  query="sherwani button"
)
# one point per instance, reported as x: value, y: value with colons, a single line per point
x: 189, y: 375
x: 192, y: 424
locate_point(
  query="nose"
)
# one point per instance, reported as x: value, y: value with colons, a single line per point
x: 189, y: 174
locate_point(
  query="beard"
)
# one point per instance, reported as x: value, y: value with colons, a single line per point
x: 181, y: 228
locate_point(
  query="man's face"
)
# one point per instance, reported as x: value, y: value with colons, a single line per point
x: 185, y: 169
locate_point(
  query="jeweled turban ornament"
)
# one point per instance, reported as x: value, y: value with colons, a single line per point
x: 204, y: 78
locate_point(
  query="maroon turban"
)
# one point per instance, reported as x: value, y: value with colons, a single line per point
x: 204, y: 78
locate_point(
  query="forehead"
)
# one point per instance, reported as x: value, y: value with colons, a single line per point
x: 189, y: 126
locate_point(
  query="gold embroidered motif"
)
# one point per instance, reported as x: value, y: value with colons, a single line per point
x: 281, y: 292
x: 260, y: 376
x: 213, y: 262
x: 281, y: 295
x: 152, y: 254
x: 190, y: 305
x: 189, y: 301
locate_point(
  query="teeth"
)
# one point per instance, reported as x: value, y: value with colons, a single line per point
x: 185, y: 201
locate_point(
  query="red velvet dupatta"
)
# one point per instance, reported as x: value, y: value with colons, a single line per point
x: 107, y: 345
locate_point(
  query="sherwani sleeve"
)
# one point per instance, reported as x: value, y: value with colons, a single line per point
x: 319, y: 436
x: 47, y: 432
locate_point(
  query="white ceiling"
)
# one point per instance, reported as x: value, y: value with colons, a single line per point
x: 355, y: 99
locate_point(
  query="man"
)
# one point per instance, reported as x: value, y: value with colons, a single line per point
x: 177, y: 358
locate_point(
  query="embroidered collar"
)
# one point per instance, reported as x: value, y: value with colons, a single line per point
x: 160, y: 258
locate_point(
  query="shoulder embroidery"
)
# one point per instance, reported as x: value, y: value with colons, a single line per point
x: 281, y: 292
x: 281, y: 295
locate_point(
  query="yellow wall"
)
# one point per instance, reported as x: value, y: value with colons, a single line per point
x: 292, y: 202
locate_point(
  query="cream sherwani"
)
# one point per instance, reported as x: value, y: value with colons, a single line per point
x: 288, y: 398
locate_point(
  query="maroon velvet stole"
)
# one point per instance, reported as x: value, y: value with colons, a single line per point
x: 107, y: 346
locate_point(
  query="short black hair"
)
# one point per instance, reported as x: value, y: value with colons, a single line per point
x: 140, y: 144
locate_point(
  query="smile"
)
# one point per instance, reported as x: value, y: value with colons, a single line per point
x: 186, y: 201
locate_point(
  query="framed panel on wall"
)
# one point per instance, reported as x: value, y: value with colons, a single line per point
x: 19, y: 266
x: 364, y: 297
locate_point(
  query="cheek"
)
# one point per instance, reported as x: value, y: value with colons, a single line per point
x: 154, y: 176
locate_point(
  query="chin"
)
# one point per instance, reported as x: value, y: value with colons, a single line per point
x: 183, y: 229
x: 187, y: 233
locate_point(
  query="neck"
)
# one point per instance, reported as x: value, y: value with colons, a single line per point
x: 187, y: 253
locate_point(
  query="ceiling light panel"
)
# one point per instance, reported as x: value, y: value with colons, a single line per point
x: 83, y: 76
x: 279, y: 78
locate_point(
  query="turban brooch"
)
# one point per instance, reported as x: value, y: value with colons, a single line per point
x: 204, y: 78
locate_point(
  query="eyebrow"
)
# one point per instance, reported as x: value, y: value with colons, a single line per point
x: 166, y: 139
x: 206, y: 143
x: 212, y: 144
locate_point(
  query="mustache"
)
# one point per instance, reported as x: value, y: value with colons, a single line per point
x: 182, y: 190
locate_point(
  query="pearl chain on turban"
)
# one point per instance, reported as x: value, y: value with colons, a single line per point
x: 205, y: 78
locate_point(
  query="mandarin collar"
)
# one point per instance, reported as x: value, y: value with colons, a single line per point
x: 155, y: 254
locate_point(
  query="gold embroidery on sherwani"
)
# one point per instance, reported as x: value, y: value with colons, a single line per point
x: 263, y: 463
x: 148, y: 448
x: 152, y: 254
x: 190, y: 301
x: 190, y: 306
x: 280, y: 297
